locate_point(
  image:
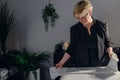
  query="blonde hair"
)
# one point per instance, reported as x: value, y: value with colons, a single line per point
x: 82, y: 7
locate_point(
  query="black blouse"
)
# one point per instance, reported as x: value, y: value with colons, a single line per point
x: 83, y: 45
x: 91, y: 39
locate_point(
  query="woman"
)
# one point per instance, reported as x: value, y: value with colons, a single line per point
x: 89, y: 39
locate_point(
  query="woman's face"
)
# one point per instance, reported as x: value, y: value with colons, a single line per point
x: 86, y: 18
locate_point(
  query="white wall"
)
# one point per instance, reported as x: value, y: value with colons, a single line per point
x: 30, y: 32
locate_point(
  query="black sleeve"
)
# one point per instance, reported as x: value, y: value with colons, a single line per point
x: 71, y: 47
x: 108, y: 42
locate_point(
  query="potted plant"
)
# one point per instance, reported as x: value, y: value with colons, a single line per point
x: 7, y: 22
x: 27, y: 62
x: 49, y: 15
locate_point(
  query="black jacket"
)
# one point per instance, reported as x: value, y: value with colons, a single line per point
x: 78, y: 48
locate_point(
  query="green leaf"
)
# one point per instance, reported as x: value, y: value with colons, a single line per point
x: 49, y: 12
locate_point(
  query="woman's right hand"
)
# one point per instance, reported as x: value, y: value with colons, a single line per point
x: 63, y: 60
x: 59, y: 65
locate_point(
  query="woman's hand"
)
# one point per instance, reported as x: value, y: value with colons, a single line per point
x: 110, y: 51
x: 63, y: 60
x: 58, y: 65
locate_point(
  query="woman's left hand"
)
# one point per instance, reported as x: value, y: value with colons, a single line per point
x: 110, y: 51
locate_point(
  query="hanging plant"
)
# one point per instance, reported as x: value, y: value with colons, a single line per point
x: 49, y: 16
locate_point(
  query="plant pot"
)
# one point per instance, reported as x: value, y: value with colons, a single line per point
x: 3, y: 74
x: 31, y: 76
